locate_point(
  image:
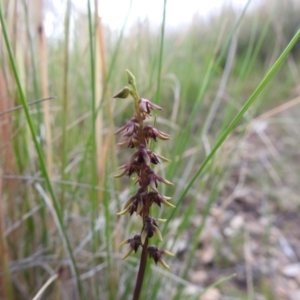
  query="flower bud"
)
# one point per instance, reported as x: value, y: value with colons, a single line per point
x: 130, y: 77
x: 124, y: 93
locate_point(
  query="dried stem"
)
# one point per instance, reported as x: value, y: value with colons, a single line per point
x: 6, y: 288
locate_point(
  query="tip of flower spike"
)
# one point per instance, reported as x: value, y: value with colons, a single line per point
x: 130, y: 77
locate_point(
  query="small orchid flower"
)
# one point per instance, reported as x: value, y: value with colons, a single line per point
x: 157, y: 254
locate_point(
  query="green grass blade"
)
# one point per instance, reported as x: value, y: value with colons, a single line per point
x: 109, y: 75
x: 197, y: 235
x: 161, y: 52
x: 65, y: 94
x: 93, y: 148
x: 114, y: 57
x: 210, y: 72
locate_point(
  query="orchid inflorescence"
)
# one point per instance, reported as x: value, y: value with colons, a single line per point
x: 139, y: 136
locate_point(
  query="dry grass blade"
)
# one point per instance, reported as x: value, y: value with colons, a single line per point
x: 44, y: 287
x: 5, y: 283
x: 21, y: 106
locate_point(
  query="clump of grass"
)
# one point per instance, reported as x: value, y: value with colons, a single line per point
x: 140, y: 136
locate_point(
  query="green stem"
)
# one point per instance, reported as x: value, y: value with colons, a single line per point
x: 134, y: 93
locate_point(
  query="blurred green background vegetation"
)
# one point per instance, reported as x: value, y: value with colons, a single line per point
x: 237, y: 216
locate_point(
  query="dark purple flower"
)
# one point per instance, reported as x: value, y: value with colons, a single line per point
x: 150, y: 228
x: 134, y: 244
x: 157, y: 254
x: 155, y: 197
x: 133, y: 141
x: 129, y: 169
x: 141, y: 155
x: 129, y: 128
x: 135, y: 203
x: 146, y: 106
x: 153, y: 178
x: 154, y: 157
x: 152, y: 133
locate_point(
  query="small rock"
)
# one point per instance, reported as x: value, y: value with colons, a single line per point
x: 281, y: 292
x: 292, y: 270
x: 191, y: 290
x: 237, y: 222
x: 211, y: 294
x: 298, y: 279
x: 292, y: 285
x: 198, y: 277
x: 207, y: 255
x: 228, y: 231
x: 296, y: 295
x: 255, y: 228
